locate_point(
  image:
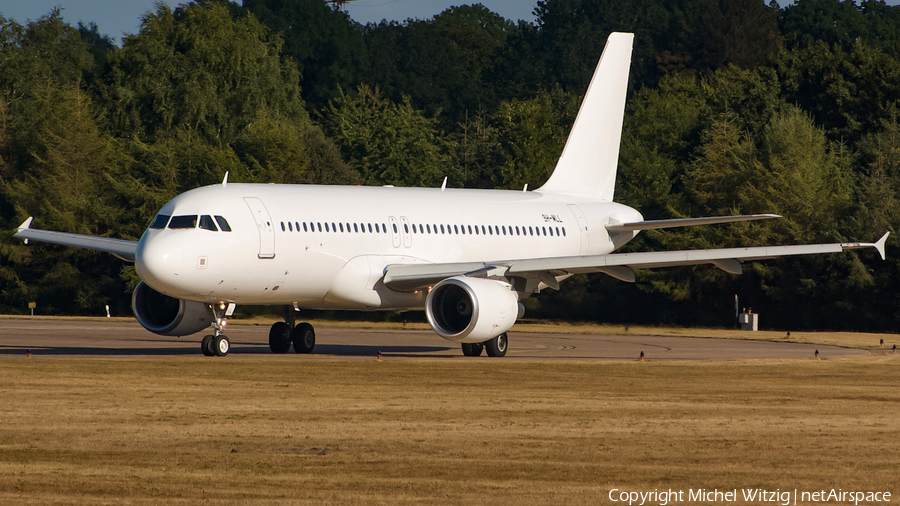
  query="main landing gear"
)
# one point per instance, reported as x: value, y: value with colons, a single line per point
x: 495, y: 347
x: 283, y: 334
x: 216, y: 345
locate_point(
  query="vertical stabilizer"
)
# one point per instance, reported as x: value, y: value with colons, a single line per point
x: 587, y: 167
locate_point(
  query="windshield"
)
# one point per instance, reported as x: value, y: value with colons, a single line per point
x: 160, y: 221
x: 187, y: 221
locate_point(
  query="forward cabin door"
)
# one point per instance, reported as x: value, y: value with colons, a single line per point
x: 264, y: 224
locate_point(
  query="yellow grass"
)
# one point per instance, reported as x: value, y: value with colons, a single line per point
x: 188, y: 430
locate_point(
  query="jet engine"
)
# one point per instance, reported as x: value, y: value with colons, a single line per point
x: 168, y: 316
x: 472, y: 310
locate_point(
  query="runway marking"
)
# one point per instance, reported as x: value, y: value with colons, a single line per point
x: 544, y: 347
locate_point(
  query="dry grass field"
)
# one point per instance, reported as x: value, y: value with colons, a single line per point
x: 273, y: 431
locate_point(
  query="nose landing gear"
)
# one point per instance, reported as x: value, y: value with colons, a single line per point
x: 216, y: 345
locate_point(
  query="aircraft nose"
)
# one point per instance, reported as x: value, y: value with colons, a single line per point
x: 159, y: 261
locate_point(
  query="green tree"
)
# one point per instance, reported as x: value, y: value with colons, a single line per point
x: 325, y: 163
x: 45, y: 51
x: 327, y: 46
x: 475, y: 153
x: 531, y: 135
x: 446, y: 65
x: 387, y: 143
x: 163, y: 169
x: 849, y: 93
x: 197, y: 68
x: 842, y: 23
x: 274, y: 151
x: 68, y: 187
x: 743, y: 33
x: 571, y: 35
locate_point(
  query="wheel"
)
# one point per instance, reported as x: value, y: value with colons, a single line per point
x: 496, y: 347
x: 221, y: 345
x: 279, y: 340
x: 206, y: 346
x: 304, y: 338
x: 472, y: 349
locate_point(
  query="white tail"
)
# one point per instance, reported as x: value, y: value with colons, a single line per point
x: 587, y: 167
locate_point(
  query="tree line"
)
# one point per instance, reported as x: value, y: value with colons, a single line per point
x: 735, y: 106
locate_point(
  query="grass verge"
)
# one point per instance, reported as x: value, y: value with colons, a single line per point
x: 188, y: 430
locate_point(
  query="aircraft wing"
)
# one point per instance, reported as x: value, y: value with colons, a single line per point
x: 121, y: 248
x: 403, y: 277
x: 686, y: 222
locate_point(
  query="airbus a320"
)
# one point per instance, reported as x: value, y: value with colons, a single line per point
x: 468, y: 257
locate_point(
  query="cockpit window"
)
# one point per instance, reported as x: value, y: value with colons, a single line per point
x: 206, y: 223
x: 187, y: 221
x: 160, y: 221
x: 223, y: 224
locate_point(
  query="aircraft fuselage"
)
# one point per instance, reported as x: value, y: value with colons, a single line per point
x: 327, y: 247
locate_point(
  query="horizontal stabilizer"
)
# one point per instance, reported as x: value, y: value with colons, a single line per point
x: 126, y: 250
x: 686, y: 222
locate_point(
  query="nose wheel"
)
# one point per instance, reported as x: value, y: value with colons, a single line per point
x: 216, y: 345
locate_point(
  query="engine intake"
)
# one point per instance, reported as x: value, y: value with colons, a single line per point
x: 168, y: 316
x: 472, y: 310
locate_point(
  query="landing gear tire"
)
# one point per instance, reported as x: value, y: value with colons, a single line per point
x: 496, y: 347
x: 304, y: 338
x: 222, y: 345
x: 472, y: 349
x: 279, y: 338
x: 206, y: 346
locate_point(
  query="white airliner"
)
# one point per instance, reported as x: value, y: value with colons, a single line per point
x: 468, y: 257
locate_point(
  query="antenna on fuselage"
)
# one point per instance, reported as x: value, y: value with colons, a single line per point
x: 225, y: 181
x: 444, y: 186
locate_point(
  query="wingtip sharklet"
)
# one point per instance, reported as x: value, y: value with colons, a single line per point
x: 25, y: 224
x: 879, y: 244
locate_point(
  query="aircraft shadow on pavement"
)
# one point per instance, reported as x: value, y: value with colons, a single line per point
x: 37, y: 351
x: 236, y: 348
x: 349, y: 350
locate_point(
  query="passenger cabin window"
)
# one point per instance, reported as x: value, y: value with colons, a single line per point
x: 187, y: 221
x: 160, y: 221
x: 223, y: 224
x: 207, y: 223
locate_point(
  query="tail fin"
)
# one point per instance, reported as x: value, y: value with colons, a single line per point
x: 587, y: 167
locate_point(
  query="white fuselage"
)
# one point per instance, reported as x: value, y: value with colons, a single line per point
x: 317, y: 246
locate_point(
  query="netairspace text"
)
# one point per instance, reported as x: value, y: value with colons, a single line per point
x: 755, y: 495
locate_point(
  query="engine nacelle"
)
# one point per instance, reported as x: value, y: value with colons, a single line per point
x: 168, y: 316
x: 472, y: 310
